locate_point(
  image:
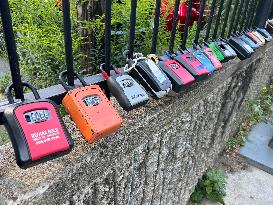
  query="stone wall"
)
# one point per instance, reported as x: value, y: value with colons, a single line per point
x: 158, y: 154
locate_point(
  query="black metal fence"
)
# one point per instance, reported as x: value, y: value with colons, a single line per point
x: 226, y: 17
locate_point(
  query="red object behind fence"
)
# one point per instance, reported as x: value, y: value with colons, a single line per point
x: 168, y: 10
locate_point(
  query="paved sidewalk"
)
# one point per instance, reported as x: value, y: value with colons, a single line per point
x: 249, y: 187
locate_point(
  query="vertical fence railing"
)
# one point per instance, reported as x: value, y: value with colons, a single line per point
x: 218, y: 19
x: 249, y: 15
x: 184, y: 35
x: 174, y: 24
x: 132, y: 28
x: 238, y: 18
x: 156, y: 26
x: 233, y: 17
x: 264, y: 9
x: 107, y: 42
x: 271, y: 11
x: 228, y: 8
x: 245, y: 10
x: 11, y: 48
x: 200, y: 19
x: 212, y: 9
x: 68, y: 42
x: 253, y: 16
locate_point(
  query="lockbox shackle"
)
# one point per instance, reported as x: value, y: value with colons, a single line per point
x: 235, y: 29
x: 199, y: 22
x: 106, y: 71
x: 184, y: 35
x: 11, y: 49
x: 231, y: 26
x: 68, y: 42
x: 212, y: 9
x: 66, y: 86
x: 174, y: 24
x: 228, y: 8
x: 218, y: 19
x: 8, y: 91
x: 156, y: 26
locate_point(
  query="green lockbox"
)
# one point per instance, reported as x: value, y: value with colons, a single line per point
x: 215, y: 50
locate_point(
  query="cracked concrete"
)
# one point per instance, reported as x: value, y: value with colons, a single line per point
x: 158, y: 154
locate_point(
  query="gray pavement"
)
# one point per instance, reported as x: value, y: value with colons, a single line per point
x: 249, y: 187
x: 256, y: 150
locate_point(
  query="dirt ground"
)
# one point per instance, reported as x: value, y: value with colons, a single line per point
x: 231, y: 163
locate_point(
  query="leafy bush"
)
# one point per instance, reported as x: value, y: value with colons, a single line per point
x: 211, y: 186
x: 4, y: 81
x: 38, y: 27
x: 144, y: 31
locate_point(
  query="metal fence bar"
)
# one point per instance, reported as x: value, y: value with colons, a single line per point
x: 229, y: 4
x: 243, y: 21
x: 231, y: 26
x: 238, y: 16
x: 175, y: 21
x: 270, y: 2
x: 264, y: 12
x: 68, y: 42
x: 212, y: 9
x: 218, y: 19
x: 254, y: 18
x: 11, y: 48
x: 156, y: 26
x: 107, y: 41
x: 251, y: 8
x: 270, y: 16
x: 184, y: 35
x: 132, y: 27
x: 201, y: 14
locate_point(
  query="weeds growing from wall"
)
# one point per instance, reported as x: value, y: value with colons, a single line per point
x: 211, y: 186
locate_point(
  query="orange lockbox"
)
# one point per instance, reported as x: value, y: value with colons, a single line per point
x: 92, y: 112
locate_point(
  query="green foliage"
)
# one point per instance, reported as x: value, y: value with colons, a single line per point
x: 4, y: 82
x: 211, y: 186
x: 38, y: 26
x: 260, y: 110
x: 4, y: 135
x: 121, y: 25
x: 144, y: 29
